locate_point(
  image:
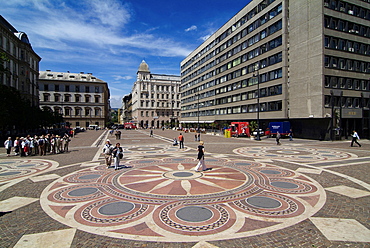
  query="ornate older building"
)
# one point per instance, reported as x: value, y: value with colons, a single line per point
x: 81, y: 98
x: 155, y: 99
x: 301, y: 61
x: 22, y: 69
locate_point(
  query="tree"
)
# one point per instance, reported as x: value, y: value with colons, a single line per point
x: 17, y: 113
x: 3, y: 59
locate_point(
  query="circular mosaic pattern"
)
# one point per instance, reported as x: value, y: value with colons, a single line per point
x: 21, y: 169
x: 194, y: 214
x: 165, y: 199
x: 151, y: 150
x: 116, y: 208
x: 293, y: 153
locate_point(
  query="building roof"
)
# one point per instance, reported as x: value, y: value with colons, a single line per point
x: 67, y: 76
x: 143, y: 67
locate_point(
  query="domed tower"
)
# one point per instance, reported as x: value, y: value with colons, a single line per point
x: 143, y: 72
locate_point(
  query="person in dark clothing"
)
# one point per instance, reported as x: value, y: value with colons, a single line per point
x: 201, y: 165
x: 181, y: 141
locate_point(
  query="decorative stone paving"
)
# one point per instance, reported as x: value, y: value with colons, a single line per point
x: 272, y: 196
x: 152, y: 149
x: 13, y: 171
x: 166, y: 200
x: 293, y: 153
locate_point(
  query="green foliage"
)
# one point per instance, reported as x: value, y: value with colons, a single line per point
x: 114, y: 117
x: 253, y: 125
x: 3, y: 59
x: 17, y: 113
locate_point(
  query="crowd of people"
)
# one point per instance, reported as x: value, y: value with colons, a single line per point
x: 37, y: 145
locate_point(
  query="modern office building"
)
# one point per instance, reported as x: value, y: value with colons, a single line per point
x: 81, y: 98
x: 22, y: 69
x: 155, y: 99
x: 301, y: 61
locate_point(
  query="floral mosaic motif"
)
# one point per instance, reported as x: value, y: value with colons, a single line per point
x: 293, y: 153
x: 23, y: 168
x: 165, y: 199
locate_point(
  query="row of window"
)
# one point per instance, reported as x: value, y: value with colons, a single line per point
x: 70, y: 88
x: 346, y: 26
x: 346, y: 102
x: 264, y: 77
x: 17, y: 52
x: 76, y: 112
x: 154, y: 87
x: 264, y: 92
x: 347, y: 83
x: 69, y: 98
x: 159, y: 96
x: 159, y: 104
x: 348, y: 8
x: 347, y: 64
x: 254, y: 53
x: 347, y: 45
x: 79, y: 77
x: 230, y: 30
x: 157, y: 114
x: 251, y: 41
x: 273, y: 59
x: 272, y: 75
x: 251, y: 108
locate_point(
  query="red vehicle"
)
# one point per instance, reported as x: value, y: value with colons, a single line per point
x: 129, y: 125
x: 240, y: 129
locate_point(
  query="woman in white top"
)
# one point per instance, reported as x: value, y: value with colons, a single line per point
x: 8, y: 146
x: 117, y: 155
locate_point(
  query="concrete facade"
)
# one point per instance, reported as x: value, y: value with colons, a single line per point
x: 279, y: 61
x: 22, y: 69
x: 81, y: 98
x: 155, y: 99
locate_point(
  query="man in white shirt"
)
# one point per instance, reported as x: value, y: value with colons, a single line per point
x: 355, y: 137
x: 107, y: 151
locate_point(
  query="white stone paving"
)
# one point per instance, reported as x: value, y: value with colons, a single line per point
x: 335, y: 229
x: 348, y: 191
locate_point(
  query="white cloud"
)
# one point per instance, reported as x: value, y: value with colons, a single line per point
x: 203, y: 38
x: 193, y: 27
x: 98, y: 27
x: 122, y: 77
x: 110, y: 12
x: 116, y: 101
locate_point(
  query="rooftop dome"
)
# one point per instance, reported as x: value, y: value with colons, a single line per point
x: 143, y: 67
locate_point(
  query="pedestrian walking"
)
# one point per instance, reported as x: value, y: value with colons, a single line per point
x: 107, y: 151
x: 8, y: 146
x: 201, y: 165
x: 355, y: 137
x: 181, y: 141
x: 278, y: 136
x: 151, y: 133
x: 117, y: 155
x: 290, y: 135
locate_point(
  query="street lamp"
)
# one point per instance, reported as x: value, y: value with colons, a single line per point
x: 258, y: 101
x: 198, y: 130
x: 172, y: 103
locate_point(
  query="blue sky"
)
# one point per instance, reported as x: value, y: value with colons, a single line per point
x: 110, y: 38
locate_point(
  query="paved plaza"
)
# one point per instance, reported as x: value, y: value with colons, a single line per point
x: 303, y: 193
